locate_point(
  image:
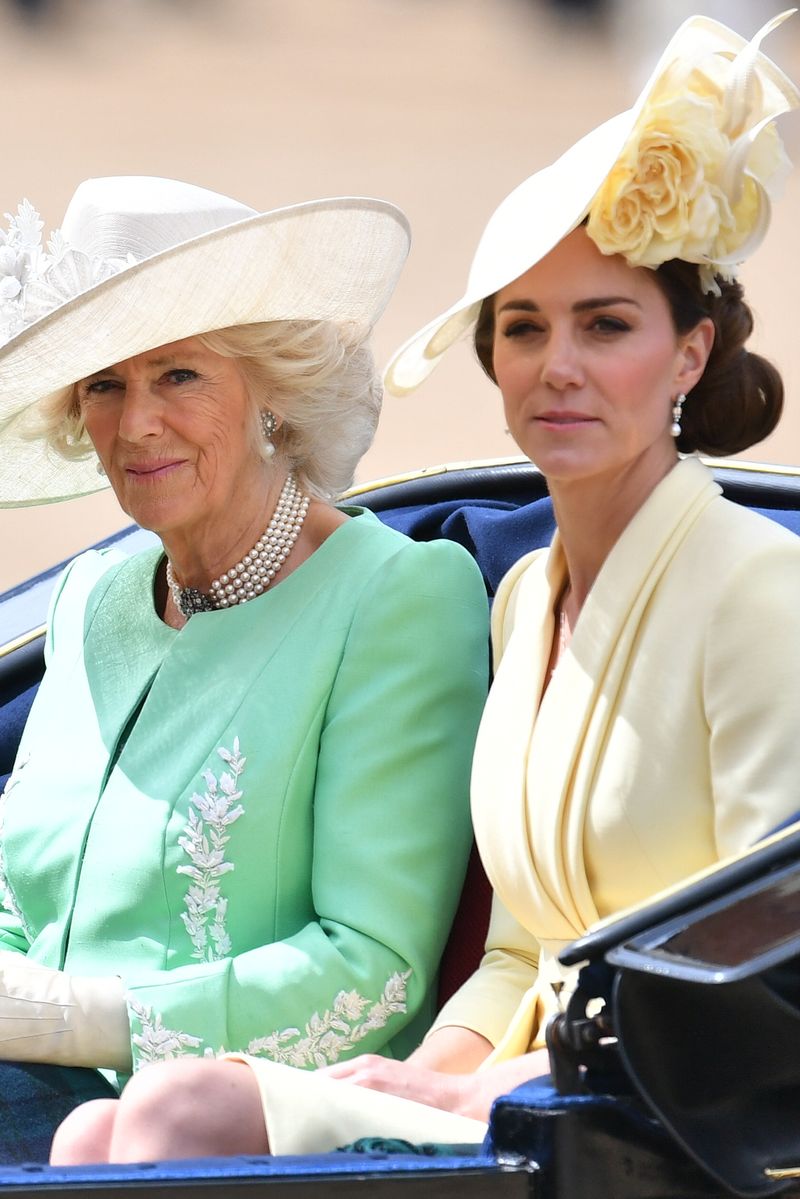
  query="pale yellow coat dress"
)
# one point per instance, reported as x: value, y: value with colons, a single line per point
x: 667, y: 738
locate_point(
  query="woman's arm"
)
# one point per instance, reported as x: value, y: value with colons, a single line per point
x: 751, y: 689
x: 448, y: 1070
x: 470, y: 1094
x: 12, y: 934
x: 482, y: 1009
x: 390, y: 833
x: 63, y: 630
x: 452, y: 1050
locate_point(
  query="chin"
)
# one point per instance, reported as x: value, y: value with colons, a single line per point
x: 157, y: 517
x: 567, y: 467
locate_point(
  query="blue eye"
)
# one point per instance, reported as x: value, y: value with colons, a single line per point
x: 99, y: 386
x: 181, y: 375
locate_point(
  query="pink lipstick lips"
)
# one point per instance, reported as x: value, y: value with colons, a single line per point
x: 155, y: 468
x: 562, y: 419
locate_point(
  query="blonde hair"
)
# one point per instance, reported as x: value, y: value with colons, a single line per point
x: 318, y: 377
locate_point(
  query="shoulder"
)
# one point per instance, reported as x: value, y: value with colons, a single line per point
x: 438, y: 567
x: 73, y: 589
x: 423, y: 598
x: 80, y: 590
x: 740, y: 579
x: 80, y: 575
x: 737, y: 551
x: 745, y: 530
x: 527, y: 573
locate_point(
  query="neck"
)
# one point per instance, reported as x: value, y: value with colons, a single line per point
x: 591, y: 515
x: 198, y: 556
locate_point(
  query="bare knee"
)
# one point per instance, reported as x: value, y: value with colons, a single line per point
x: 85, y: 1135
x: 189, y: 1108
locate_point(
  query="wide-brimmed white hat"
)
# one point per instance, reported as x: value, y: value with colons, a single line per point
x: 702, y: 127
x: 140, y: 262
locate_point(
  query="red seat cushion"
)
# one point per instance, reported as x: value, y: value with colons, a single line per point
x: 464, y: 948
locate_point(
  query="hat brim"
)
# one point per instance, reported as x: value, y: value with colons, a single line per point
x: 335, y: 259
x: 546, y: 207
x: 526, y: 227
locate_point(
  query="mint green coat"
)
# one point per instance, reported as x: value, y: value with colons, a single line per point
x: 259, y: 821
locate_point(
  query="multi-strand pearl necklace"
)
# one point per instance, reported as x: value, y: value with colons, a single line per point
x: 253, y: 574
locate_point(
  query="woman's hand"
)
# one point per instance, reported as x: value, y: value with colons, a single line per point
x: 464, y: 1094
x: 438, y: 1073
x: 405, y: 1079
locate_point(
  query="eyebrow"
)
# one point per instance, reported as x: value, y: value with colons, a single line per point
x: 164, y: 360
x: 580, y: 306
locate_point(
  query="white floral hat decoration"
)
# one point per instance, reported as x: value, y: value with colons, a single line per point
x: 689, y: 172
x: 139, y: 262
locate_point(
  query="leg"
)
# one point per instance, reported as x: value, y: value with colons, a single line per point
x: 190, y: 1108
x: 85, y: 1135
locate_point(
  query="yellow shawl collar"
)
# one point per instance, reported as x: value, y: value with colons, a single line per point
x: 535, y: 765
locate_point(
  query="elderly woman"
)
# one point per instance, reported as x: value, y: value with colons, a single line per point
x: 238, y: 818
x: 642, y: 724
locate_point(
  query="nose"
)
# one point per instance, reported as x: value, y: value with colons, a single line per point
x: 141, y: 414
x: 561, y: 365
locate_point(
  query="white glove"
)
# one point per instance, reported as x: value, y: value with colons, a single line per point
x: 63, y: 1019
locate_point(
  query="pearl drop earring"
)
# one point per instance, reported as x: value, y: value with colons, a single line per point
x: 677, y: 411
x: 268, y: 426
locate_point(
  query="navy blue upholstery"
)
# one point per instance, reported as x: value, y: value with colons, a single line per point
x: 497, y: 533
x: 34, y: 1099
x: 786, y: 517
x: 594, y: 1146
x: 12, y: 721
x: 355, y: 1167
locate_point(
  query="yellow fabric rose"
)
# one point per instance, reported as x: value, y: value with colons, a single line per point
x: 767, y: 168
x: 661, y: 199
x: 692, y: 181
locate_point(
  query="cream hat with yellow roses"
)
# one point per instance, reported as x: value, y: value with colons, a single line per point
x: 688, y: 172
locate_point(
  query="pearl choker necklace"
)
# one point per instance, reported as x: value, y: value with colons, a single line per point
x: 253, y: 574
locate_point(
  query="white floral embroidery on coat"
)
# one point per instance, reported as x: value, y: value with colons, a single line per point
x: 336, y: 1031
x: 7, y: 898
x: 204, y: 841
x: 155, y: 1043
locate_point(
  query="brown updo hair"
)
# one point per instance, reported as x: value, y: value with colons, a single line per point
x: 739, y: 398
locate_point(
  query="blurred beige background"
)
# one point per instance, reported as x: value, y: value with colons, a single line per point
x: 439, y: 105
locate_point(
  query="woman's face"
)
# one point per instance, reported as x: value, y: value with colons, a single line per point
x: 589, y: 364
x: 173, y: 429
